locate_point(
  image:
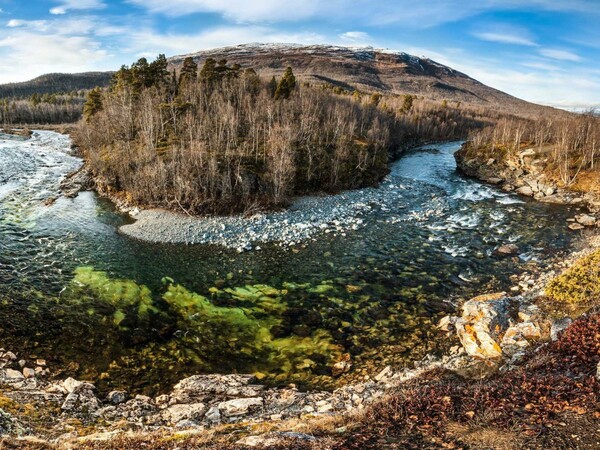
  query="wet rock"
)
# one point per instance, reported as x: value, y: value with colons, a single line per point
x: 507, y: 250
x: 240, y: 406
x: 586, y: 220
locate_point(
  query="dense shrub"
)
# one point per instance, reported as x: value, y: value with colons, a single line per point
x: 580, y: 283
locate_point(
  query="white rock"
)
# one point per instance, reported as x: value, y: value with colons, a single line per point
x: 13, y: 375
x: 240, y: 406
x: 177, y: 413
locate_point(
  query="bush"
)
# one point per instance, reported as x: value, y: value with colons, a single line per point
x: 579, y: 284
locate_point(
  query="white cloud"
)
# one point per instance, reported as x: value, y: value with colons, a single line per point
x: 503, y: 38
x: 78, y: 5
x: 147, y: 42
x: 24, y: 55
x: 355, y: 36
x: 562, y: 55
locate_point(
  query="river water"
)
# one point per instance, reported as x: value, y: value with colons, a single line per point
x: 104, y: 306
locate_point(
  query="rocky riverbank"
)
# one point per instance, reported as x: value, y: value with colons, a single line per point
x: 524, y: 174
x: 493, y: 333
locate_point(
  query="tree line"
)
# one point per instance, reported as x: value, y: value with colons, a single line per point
x: 220, y: 139
x: 568, y: 144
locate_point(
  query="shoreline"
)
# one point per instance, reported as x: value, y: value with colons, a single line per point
x: 201, y: 403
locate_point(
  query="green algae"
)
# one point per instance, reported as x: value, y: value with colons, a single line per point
x: 291, y: 332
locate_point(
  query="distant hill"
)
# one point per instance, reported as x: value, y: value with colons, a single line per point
x: 361, y: 68
x: 55, y: 83
x: 366, y: 69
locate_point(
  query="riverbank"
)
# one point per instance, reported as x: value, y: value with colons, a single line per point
x: 524, y: 173
x: 496, y: 336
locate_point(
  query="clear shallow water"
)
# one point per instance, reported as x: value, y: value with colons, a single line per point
x: 428, y: 237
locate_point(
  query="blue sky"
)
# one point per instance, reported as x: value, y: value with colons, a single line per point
x: 546, y: 51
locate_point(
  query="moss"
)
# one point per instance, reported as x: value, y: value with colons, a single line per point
x: 578, y: 285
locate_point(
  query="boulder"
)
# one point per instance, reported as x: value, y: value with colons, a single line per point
x: 525, y: 190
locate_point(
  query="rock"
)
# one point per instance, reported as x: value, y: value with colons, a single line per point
x: 494, y: 180
x: 598, y: 371
x: 213, y: 415
x: 559, y: 326
x: 28, y: 372
x: 341, y: 367
x: 116, y: 397
x: 525, y: 190
x: 70, y: 402
x: 73, y: 385
x: 175, y: 414
x: 446, y: 324
x: 586, y: 220
x: 575, y: 226
x: 11, y: 375
x: 384, y: 374
x: 507, y: 250
x: 256, y: 441
x: 484, y: 319
x: 240, y: 406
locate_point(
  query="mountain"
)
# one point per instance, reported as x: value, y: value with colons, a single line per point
x: 54, y: 83
x: 365, y: 69
x: 361, y: 68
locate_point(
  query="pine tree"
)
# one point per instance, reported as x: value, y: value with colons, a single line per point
x: 93, y: 103
x: 189, y: 71
x: 208, y: 73
x: 159, y: 71
x: 286, y: 85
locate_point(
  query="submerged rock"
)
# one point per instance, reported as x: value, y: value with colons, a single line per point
x: 507, y: 250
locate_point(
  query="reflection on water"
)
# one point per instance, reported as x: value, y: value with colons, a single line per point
x: 374, y: 293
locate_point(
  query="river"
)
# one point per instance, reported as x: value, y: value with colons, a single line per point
x: 99, y: 304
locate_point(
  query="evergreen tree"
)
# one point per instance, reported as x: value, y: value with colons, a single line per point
x: 93, y: 103
x: 189, y: 71
x: 208, y: 73
x: 286, y: 85
x: 159, y: 71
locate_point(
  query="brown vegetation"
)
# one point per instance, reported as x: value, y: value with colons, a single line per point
x: 224, y: 140
x: 567, y: 144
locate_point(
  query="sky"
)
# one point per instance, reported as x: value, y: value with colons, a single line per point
x: 545, y: 51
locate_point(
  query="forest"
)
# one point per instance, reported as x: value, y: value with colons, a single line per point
x: 568, y: 144
x: 220, y: 139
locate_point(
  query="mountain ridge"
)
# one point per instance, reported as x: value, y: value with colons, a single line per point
x: 366, y: 69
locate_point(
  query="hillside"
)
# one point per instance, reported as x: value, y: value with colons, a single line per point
x: 365, y: 69
x: 361, y: 68
x: 54, y: 83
